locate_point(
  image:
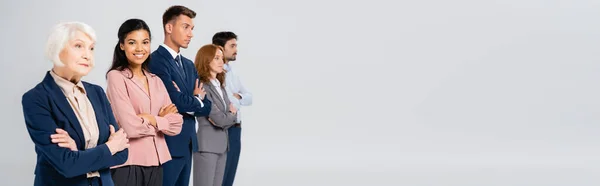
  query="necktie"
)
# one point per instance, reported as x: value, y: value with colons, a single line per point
x: 180, y: 65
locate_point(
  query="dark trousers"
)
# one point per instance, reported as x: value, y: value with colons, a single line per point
x: 233, y: 155
x: 95, y: 181
x: 134, y: 175
x: 177, y: 171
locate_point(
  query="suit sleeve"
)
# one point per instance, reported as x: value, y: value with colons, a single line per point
x: 207, y: 103
x: 119, y: 157
x: 220, y: 118
x: 184, y: 102
x: 171, y: 123
x: 41, y: 124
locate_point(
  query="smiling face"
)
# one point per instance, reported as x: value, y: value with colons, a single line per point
x: 136, y: 47
x: 78, y: 55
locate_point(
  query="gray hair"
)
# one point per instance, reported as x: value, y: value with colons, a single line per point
x: 61, y: 34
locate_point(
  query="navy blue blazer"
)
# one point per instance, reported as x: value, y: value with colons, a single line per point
x: 163, y: 65
x: 46, y: 108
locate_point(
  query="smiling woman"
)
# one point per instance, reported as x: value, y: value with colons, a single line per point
x: 133, y: 46
x: 70, y: 121
x: 141, y: 106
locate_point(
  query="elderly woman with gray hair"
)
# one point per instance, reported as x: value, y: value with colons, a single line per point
x: 70, y: 121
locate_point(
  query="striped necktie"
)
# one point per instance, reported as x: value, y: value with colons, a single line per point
x: 180, y: 65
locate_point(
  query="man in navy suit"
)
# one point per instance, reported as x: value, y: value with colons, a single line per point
x: 181, y: 80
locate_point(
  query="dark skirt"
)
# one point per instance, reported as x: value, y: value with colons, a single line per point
x: 134, y: 175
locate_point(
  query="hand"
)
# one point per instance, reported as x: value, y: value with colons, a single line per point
x: 199, y: 90
x: 117, y: 141
x: 238, y: 96
x: 211, y: 122
x: 151, y: 119
x: 176, y: 87
x: 168, y: 109
x: 63, y: 139
x: 232, y: 109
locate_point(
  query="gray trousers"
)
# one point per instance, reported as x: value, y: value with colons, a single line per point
x: 209, y: 168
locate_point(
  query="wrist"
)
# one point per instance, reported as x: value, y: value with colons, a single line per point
x: 110, y: 148
x: 154, y: 122
x: 149, y: 119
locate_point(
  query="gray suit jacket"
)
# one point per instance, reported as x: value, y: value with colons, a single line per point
x: 213, y: 137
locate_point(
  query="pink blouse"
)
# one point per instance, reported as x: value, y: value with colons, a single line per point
x: 128, y: 98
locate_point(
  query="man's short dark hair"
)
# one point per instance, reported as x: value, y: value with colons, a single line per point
x: 220, y: 38
x: 175, y: 11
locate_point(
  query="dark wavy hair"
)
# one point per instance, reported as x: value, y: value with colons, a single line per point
x: 120, y: 61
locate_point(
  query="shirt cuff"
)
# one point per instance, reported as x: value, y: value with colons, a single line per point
x: 201, y: 104
x: 200, y: 100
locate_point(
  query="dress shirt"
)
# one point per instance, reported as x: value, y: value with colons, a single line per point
x: 234, y: 85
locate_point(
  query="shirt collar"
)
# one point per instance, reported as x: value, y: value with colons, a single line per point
x: 215, y: 82
x: 171, y: 51
x: 226, y: 67
x: 67, y: 87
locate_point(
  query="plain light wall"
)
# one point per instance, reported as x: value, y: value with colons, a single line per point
x: 434, y: 92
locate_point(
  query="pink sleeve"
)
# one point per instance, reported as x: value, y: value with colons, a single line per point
x: 170, y: 124
x: 134, y: 126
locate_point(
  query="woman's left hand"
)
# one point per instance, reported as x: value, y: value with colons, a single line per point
x: 168, y: 109
x: 63, y: 139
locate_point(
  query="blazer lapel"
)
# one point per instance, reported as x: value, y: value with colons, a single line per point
x: 127, y: 73
x: 95, y: 100
x: 215, y: 98
x: 225, y: 96
x: 178, y: 69
x: 64, y: 106
x: 187, y: 79
x: 171, y: 62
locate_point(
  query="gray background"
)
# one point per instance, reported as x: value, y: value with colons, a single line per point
x: 433, y: 92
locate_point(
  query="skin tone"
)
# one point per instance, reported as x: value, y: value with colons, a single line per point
x: 216, y: 67
x: 78, y: 59
x: 137, y: 49
x: 230, y: 50
x: 178, y: 34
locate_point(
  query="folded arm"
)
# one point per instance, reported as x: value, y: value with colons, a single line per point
x: 134, y: 125
x: 40, y: 125
x: 170, y: 124
x: 221, y: 119
x: 184, y: 102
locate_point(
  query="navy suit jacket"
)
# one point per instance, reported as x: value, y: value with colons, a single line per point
x: 163, y: 65
x: 46, y: 108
